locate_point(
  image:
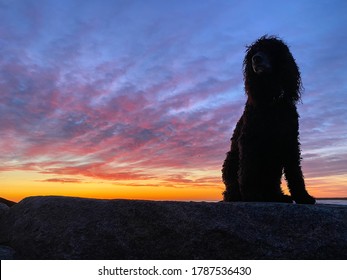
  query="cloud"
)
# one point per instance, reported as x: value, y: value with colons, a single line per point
x: 144, y: 94
x: 61, y: 180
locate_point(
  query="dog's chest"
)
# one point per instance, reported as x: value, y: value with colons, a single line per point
x: 268, y: 125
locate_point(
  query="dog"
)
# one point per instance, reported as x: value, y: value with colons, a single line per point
x: 265, y: 143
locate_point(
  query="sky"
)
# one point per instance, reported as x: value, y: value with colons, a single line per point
x: 138, y: 99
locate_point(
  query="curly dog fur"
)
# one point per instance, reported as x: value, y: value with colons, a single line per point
x: 265, y: 143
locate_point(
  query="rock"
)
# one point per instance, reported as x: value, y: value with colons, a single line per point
x: 3, y: 209
x: 76, y: 228
x: 6, y: 253
x: 7, y: 202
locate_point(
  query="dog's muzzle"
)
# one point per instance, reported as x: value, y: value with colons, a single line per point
x: 261, y: 63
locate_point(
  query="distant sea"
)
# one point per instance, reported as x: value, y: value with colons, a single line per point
x: 337, y: 201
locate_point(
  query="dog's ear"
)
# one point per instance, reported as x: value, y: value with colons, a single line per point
x: 291, y: 78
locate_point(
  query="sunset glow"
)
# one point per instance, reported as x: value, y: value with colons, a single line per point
x: 138, y: 99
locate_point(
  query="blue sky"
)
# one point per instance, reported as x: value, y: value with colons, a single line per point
x: 151, y: 90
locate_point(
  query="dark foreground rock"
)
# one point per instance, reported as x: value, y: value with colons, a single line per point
x: 6, y: 253
x: 75, y: 228
x: 7, y: 202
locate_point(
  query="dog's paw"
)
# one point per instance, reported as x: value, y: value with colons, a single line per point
x: 304, y: 199
x: 285, y: 199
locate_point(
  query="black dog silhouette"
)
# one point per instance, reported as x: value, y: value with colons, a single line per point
x: 265, y: 143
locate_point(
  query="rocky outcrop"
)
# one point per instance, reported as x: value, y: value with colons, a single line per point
x: 6, y: 253
x: 7, y: 202
x: 76, y: 228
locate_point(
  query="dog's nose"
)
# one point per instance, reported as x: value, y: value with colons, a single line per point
x: 257, y: 58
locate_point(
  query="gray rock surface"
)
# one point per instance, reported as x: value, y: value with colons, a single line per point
x: 6, y: 253
x: 76, y: 228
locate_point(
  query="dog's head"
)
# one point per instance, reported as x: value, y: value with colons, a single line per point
x: 270, y: 71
